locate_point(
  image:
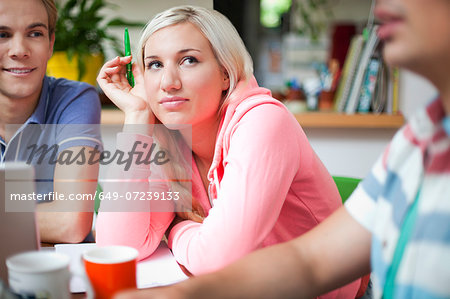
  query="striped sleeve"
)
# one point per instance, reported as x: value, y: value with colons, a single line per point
x: 362, y: 202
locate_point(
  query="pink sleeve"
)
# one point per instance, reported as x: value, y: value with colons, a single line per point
x: 129, y: 222
x: 261, y: 162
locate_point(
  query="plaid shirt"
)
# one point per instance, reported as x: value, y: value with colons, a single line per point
x: 417, y: 158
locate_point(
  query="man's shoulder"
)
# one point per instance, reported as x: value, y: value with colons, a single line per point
x: 61, y: 91
x: 67, y: 98
x: 61, y: 85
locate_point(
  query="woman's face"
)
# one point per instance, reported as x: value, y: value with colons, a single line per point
x: 183, y: 80
x: 416, y: 33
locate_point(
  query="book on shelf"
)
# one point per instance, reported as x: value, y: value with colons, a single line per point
x: 348, y: 72
x: 367, y: 84
x: 374, y: 95
x: 368, y: 51
x: 380, y: 96
x: 371, y: 79
x: 393, y: 91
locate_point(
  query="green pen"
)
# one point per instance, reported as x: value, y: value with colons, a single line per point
x: 128, y: 53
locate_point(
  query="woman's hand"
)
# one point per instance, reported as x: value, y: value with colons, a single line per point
x: 131, y: 100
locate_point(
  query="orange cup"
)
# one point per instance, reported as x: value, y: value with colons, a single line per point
x: 111, y: 269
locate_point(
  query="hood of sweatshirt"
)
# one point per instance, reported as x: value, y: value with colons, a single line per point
x: 246, y: 96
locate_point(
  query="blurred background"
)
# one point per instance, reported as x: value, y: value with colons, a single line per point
x: 293, y: 43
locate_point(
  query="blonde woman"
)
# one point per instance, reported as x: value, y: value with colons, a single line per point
x: 255, y: 179
x: 397, y: 222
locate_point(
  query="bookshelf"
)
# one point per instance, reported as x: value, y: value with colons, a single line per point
x: 308, y: 120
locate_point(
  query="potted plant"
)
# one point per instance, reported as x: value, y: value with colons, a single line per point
x: 81, y: 35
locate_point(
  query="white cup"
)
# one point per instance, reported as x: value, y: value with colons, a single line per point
x: 40, y: 274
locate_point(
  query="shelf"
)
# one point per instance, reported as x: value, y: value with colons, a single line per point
x: 112, y: 116
x: 308, y: 120
x: 338, y: 120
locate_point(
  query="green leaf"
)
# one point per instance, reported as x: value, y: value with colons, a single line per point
x: 81, y: 66
x: 122, y: 22
x: 81, y: 29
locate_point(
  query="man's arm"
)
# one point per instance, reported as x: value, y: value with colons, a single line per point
x: 69, y: 221
x: 334, y: 253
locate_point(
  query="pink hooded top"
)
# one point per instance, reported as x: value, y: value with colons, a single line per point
x: 266, y: 186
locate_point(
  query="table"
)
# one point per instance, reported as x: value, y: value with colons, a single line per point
x: 158, y: 269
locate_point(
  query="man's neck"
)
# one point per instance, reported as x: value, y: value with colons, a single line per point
x: 15, y: 111
x: 441, y: 80
x: 445, y: 96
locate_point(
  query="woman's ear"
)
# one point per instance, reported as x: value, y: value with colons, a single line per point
x: 226, y: 79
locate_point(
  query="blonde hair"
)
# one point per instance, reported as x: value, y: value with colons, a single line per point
x: 52, y: 14
x: 231, y: 54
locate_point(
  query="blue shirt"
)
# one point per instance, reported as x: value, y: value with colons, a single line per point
x: 67, y: 115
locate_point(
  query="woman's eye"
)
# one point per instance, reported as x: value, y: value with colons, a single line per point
x: 189, y: 60
x: 154, y: 65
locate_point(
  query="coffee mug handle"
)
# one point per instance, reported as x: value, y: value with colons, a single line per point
x: 81, y: 273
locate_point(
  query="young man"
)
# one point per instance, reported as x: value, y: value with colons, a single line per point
x: 29, y: 100
x: 396, y: 223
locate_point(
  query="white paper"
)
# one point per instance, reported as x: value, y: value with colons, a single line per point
x: 77, y: 285
x: 158, y: 269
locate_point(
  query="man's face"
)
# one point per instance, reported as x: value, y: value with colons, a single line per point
x: 416, y: 34
x: 25, y: 48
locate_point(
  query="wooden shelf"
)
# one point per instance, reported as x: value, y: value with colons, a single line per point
x: 308, y: 120
x: 339, y: 120
x: 112, y: 116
